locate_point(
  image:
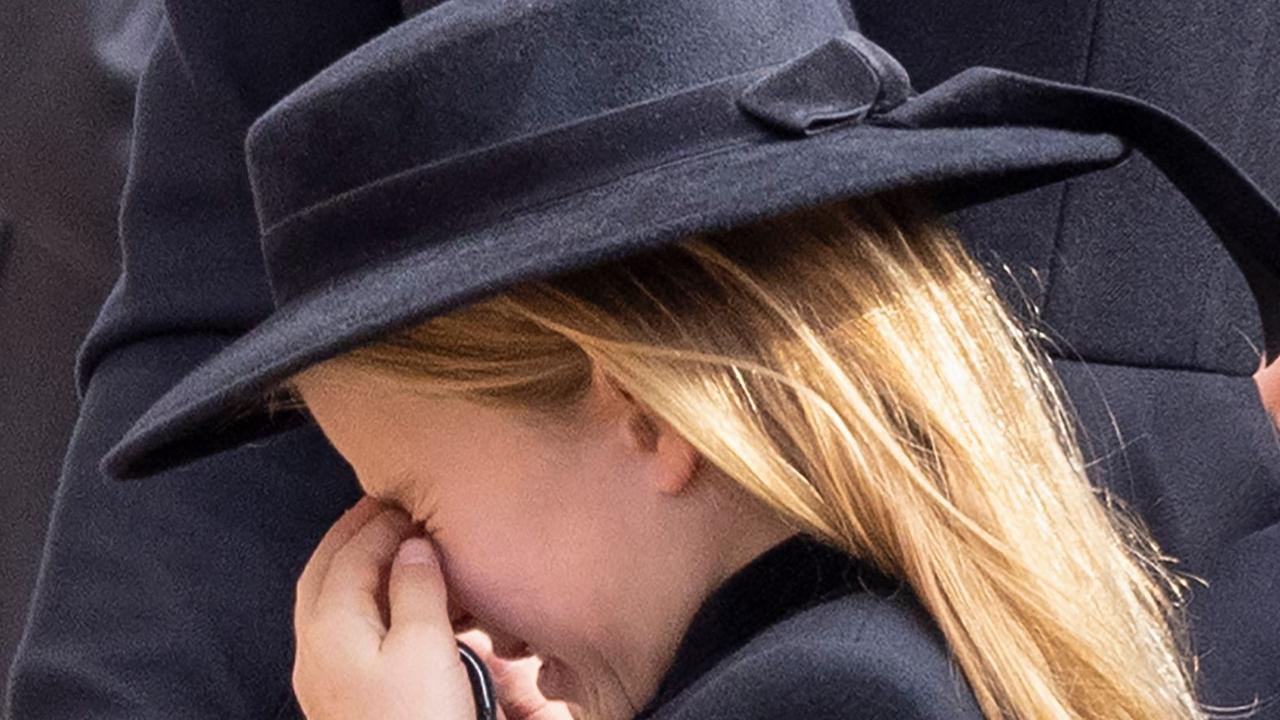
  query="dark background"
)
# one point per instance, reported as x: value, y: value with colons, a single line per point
x: 67, y: 73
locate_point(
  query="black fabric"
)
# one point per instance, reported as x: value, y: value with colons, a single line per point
x: 1121, y: 265
x: 787, y: 578
x: 217, y: 405
x: 1152, y: 320
x: 172, y: 598
x: 175, y: 600
x: 1244, y: 218
x: 411, y: 212
x: 804, y: 630
x: 66, y: 99
x: 1196, y: 455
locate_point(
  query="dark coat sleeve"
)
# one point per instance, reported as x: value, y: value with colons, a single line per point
x: 172, y: 597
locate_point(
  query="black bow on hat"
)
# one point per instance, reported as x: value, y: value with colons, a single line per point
x: 480, y: 144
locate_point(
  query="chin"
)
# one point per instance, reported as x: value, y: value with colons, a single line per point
x: 584, y: 702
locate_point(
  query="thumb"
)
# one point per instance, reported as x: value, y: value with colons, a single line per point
x: 421, y: 637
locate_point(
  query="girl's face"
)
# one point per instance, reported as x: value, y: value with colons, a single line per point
x: 589, y: 544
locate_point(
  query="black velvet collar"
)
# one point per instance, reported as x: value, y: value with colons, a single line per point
x: 795, y: 574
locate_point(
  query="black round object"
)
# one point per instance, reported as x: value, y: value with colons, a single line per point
x: 482, y: 689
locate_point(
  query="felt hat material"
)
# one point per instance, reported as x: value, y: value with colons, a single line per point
x: 456, y: 154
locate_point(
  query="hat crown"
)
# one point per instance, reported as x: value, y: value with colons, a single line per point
x: 468, y: 75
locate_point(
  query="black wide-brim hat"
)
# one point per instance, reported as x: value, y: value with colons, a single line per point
x: 481, y: 144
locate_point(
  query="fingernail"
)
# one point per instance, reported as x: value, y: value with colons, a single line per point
x: 415, y: 551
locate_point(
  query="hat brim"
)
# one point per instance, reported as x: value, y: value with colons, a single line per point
x: 218, y: 405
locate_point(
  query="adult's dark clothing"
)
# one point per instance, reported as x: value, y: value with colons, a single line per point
x: 69, y: 71
x: 173, y: 597
x: 1129, y: 278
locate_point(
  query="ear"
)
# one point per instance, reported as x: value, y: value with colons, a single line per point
x: 674, y: 459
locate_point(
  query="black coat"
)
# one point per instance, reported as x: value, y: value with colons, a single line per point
x: 172, y: 598
x: 805, y: 631
x: 66, y: 99
x: 1152, y: 324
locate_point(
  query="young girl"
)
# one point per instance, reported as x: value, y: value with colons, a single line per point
x: 646, y: 318
x: 592, y: 453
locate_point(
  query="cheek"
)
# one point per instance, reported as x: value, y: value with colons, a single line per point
x: 530, y: 544
x: 541, y: 524
x: 526, y: 574
x: 496, y: 566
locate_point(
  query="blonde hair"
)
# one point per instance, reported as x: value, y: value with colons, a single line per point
x: 851, y: 366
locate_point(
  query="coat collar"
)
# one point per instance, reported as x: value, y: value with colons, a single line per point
x: 795, y: 574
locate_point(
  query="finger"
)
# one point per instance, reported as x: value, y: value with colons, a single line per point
x: 421, y: 637
x: 308, y: 586
x: 517, y: 683
x: 349, y: 593
x: 421, y: 631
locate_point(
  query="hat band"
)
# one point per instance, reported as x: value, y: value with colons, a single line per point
x: 844, y: 81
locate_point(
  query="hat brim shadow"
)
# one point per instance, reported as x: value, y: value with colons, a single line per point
x: 218, y: 405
